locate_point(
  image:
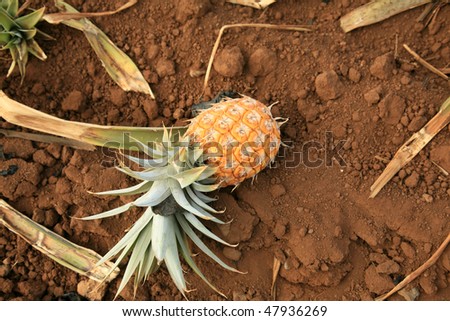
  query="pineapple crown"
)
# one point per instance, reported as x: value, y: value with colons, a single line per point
x: 17, y: 34
x: 173, y: 183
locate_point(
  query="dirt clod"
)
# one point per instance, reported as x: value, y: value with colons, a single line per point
x: 165, y: 67
x: 328, y: 85
x: 232, y: 253
x: 383, y: 66
x: 391, y: 108
x: 262, y: 61
x: 377, y: 283
x: 229, y: 62
x: 74, y: 101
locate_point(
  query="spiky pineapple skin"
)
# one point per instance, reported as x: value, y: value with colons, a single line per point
x: 240, y: 135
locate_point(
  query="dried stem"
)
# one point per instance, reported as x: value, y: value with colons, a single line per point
x: 246, y: 25
x: 411, y: 277
x: 424, y: 63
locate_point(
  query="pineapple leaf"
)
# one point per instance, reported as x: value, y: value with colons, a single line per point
x: 4, y: 37
x: 141, y: 246
x: 13, y: 7
x: 30, y: 20
x: 188, y: 258
x: 157, y: 193
x: 36, y: 50
x: 187, y: 177
x: 28, y: 33
x: 6, y: 21
x: 133, y: 190
x: 202, y: 228
x: 197, y: 200
x: 188, y: 230
x: 130, y: 237
x: 172, y: 258
x: 148, y: 163
x: 160, y: 231
x: 115, y: 211
x: 205, y: 188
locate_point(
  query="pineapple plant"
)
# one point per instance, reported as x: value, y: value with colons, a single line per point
x: 17, y: 34
x: 224, y: 145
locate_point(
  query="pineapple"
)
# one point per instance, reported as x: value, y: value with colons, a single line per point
x: 224, y: 145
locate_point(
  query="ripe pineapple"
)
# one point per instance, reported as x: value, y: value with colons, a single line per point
x: 224, y: 145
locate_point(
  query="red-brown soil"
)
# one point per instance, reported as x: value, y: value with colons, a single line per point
x: 334, y: 243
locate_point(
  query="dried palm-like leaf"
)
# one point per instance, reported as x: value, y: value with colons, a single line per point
x: 118, y: 65
x: 120, y: 137
x: 79, y: 259
x: 412, y: 147
x: 376, y: 11
x: 257, y: 4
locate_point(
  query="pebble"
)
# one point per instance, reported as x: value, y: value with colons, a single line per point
x: 277, y: 190
x: 262, y: 61
x: 74, y: 101
x: 229, y: 62
x: 427, y: 198
x: 412, y: 180
x: 391, y: 109
x: 150, y: 108
x: 383, y: 66
x: 328, y: 85
x: 165, y: 67
x: 232, y: 254
x: 152, y: 51
x: 408, y: 250
x: 388, y: 267
x: 417, y: 123
x: 372, y: 96
x: 118, y: 97
x: 354, y: 75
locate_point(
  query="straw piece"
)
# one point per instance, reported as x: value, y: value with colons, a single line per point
x: 376, y: 11
x: 120, y: 137
x: 424, y: 63
x: 42, y: 138
x: 79, y: 259
x: 275, y: 272
x: 241, y: 25
x: 412, y: 147
x: 257, y: 4
x: 411, y: 277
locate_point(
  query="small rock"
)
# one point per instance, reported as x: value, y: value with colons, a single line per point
x: 391, y: 109
x: 417, y: 123
x: 427, y: 283
x: 92, y: 290
x: 38, y: 89
x: 441, y: 156
x: 43, y: 158
x: 262, y: 62
x: 118, y: 97
x: 279, y: 230
x: 408, y: 250
x: 150, y: 108
x: 383, y: 66
x: 372, y: 96
x: 354, y: 75
x: 74, y: 101
x: 152, y: 52
x: 388, y: 267
x: 165, y: 67
x: 277, y: 190
x: 377, y: 283
x: 4, y: 270
x: 328, y: 85
x: 231, y: 253
x: 229, y: 62
x: 427, y: 198
x: 412, y: 180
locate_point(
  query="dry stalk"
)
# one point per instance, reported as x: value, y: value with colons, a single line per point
x: 275, y: 272
x: 412, y: 147
x: 411, y: 277
x: 424, y: 63
x: 72, y: 256
x: 243, y: 25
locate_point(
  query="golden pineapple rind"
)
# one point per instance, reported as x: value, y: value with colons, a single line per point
x: 241, y: 136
